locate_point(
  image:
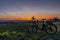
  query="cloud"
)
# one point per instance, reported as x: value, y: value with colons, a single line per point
x: 2, y: 12
x: 5, y: 14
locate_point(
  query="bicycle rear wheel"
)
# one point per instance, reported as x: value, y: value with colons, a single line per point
x: 51, y: 29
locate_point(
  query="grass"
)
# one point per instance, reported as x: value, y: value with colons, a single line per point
x: 18, y: 32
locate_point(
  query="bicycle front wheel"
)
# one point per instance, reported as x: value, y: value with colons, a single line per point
x: 34, y: 28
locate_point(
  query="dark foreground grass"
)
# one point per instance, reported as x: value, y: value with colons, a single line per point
x: 20, y: 32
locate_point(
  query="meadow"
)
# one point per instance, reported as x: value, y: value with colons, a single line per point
x: 20, y: 32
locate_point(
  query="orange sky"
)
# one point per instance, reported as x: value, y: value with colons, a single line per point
x: 39, y: 17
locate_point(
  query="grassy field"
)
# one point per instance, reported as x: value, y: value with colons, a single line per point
x: 19, y: 32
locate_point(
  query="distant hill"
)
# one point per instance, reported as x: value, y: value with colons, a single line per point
x: 13, y: 21
x: 18, y: 21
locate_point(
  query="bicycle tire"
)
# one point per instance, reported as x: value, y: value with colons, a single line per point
x: 33, y: 28
x: 51, y: 30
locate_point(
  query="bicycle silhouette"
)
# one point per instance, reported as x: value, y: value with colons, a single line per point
x: 47, y: 26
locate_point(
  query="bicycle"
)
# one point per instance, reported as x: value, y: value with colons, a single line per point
x: 50, y: 29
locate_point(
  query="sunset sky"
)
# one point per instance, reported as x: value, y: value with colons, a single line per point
x: 25, y: 9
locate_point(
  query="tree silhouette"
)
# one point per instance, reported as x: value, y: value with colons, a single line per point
x: 55, y: 19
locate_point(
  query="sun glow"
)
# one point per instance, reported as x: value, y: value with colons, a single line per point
x: 27, y: 17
